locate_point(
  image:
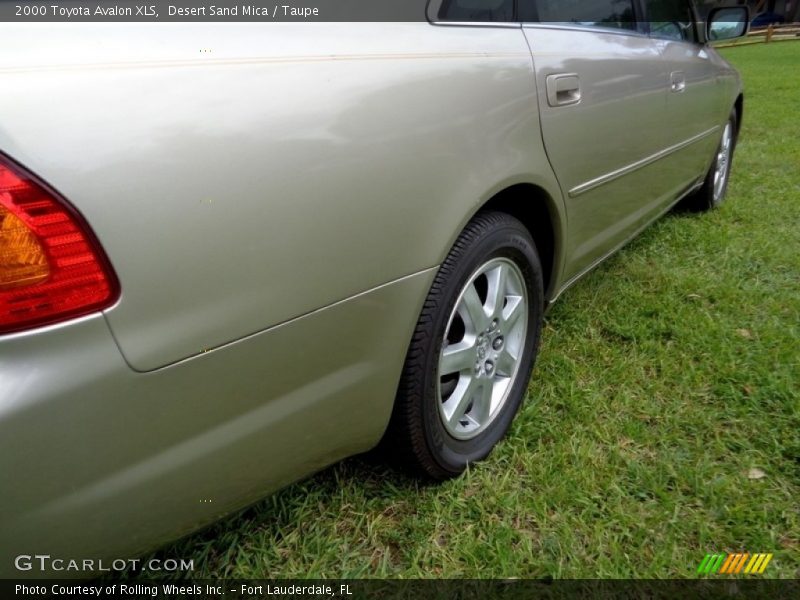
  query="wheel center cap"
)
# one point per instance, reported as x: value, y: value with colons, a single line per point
x: 483, y: 348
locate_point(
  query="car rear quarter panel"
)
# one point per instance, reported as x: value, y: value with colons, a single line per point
x: 98, y: 461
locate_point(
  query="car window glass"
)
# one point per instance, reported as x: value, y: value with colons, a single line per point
x: 617, y: 14
x: 476, y: 10
x: 671, y: 19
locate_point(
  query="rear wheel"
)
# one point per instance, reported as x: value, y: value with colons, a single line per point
x: 715, y: 186
x: 473, y: 349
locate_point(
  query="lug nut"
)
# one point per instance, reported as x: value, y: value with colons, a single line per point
x: 489, y: 366
x: 497, y: 344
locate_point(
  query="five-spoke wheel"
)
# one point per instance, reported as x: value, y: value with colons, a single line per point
x: 482, y: 348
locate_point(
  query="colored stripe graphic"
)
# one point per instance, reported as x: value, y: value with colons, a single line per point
x: 733, y: 564
x: 757, y: 566
x: 752, y: 563
x: 717, y: 564
x: 703, y: 563
x: 727, y: 564
x: 765, y: 563
x: 737, y: 568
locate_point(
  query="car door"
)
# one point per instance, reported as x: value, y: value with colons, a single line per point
x: 602, y: 99
x: 695, y: 105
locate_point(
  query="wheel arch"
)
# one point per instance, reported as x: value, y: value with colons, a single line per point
x: 738, y: 106
x: 538, y: 212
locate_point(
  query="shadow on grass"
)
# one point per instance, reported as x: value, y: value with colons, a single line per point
x: 372, y: 474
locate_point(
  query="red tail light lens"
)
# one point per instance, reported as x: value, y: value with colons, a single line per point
x: 51, y: 266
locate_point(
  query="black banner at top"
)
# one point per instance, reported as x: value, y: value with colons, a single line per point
x: 258, y: 11
x: 617, y: 15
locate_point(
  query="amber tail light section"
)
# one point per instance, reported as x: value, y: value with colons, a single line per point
x: 51, y: 265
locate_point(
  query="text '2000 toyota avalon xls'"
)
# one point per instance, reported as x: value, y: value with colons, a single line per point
x: 221, y: 272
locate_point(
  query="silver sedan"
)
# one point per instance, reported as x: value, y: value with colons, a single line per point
x: 222, y: 271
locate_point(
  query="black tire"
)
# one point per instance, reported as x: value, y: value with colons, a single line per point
x: 706, y: 198
x: 417, y: 436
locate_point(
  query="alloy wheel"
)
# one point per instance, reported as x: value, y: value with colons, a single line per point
x: 482, y: 347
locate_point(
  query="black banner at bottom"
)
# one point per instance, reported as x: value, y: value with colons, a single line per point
x: 404, y: 589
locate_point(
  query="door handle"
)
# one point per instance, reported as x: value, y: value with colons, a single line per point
x: 563, y: 89
x: 677, y: 81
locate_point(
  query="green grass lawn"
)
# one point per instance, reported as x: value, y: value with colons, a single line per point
x: 663, y: 420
